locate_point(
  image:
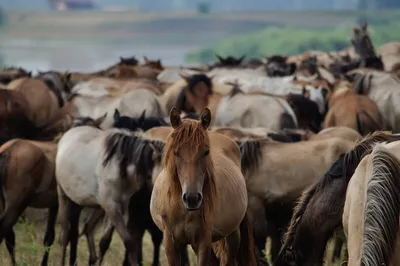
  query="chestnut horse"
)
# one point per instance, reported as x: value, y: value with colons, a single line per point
x: 193, y: 196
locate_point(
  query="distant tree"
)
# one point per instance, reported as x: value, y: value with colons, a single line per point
x: 2, y: 16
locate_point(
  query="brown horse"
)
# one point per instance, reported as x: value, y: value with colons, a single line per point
x: 191, y: 196
x: 43, y: 100
x: 15, y: 117
x: 359, y: 112
x: 371, y: 210
x: 11, y: 73
x: 319, y: 211
x: 27, y: 178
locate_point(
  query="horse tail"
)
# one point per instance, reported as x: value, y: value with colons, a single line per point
x: 4, y: 162
x: 366, y: 123
x: 246, y: 255
x: 382, y: 208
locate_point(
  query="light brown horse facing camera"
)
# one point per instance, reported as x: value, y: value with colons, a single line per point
x: 193, y: 196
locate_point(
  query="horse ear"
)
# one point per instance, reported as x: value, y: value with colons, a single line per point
x: 121, y: 59
x: 205, y: 118
x: 30, y: 74
x: 219, y: 58
x: 68, y: 76
x: 100, y: 120
x: 146, y: 60
x: 241, y: 58
x: 364, y: 26
x: 142, y: 117
x: 186, y: 77
x: 175, y: 118
x: 157, y: 152
x: 117, y: 115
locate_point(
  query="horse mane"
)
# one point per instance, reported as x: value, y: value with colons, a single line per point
x: 197, y: 78
x: 343, y: 167
x: 126, y: 147
x: 190, y: 131
x: 52, y: 87
x: 335, y: 171
x: 382, y: 208
x: 250, y: 154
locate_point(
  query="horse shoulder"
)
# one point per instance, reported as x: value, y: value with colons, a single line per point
x: 227, y: 145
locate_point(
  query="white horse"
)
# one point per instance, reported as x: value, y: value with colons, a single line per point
x: 97, y: 168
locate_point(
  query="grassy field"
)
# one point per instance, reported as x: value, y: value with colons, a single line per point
x: 29, y: 248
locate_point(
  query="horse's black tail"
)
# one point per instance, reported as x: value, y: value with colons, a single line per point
x: 4, y: 162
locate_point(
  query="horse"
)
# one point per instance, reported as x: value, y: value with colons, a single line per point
x: 238, y: 109
x: 295, y: 135
x: 43, y: 101
x: 273, y: 185
x: 133, y: 124
x: 372, y: 206
x: 15, y: 114
x: 319, y: 210
x: 190, y: 197
x: 94, y: 103
x: 363, y: 46
x: 117, y: 178
x: 11, y: 73
x: 277, y: 66
x: 359, y: 112
x: 27, y: 179
x: 371, y: 84
x: 390, y: 55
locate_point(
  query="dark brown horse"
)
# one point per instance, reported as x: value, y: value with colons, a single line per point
x: 27, y: 179
x: 320, y: 208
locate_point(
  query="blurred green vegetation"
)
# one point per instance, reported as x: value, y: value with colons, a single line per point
x: 294, y: 40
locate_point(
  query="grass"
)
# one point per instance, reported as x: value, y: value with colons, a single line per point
x: 29, y: 248
x: 292, y: 40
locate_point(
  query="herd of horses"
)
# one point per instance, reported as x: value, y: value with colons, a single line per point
x: 219, y: 157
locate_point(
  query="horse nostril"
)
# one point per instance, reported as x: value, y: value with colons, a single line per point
x: 199, y: 197
x: 184, y: 197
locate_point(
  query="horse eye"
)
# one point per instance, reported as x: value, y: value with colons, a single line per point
x: 177, y: 154
x: 206, y: 153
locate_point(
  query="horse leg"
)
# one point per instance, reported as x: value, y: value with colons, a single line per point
x: 89, y: 229
x: 184, y: 256
x: 156, y: 237
x: 64, y: 204
x: 275, y: 239
x: 172, y: 250
x: 50, y: 233
x: 6, y: 229
x: 232, y: 242
x: 203, y: 249
x: 136, y: 228
x: 106, y: 240
x: 74, y: 231
x: 10, y: 243
x: 338, y: 247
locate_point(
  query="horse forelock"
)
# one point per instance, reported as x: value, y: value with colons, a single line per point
x: 190, y: 132
x: 196, y: 79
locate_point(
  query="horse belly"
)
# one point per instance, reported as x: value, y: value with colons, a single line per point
x: 231, y: 205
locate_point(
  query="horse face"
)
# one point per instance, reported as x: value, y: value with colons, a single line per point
x: 191, y: 167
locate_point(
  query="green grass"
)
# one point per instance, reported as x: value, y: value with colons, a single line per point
x: 29, y: 248
x: 295, y: 40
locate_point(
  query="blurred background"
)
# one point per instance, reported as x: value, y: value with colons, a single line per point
x: 86, y: 35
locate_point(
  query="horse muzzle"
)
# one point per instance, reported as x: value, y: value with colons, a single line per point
x: 192, y: 201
